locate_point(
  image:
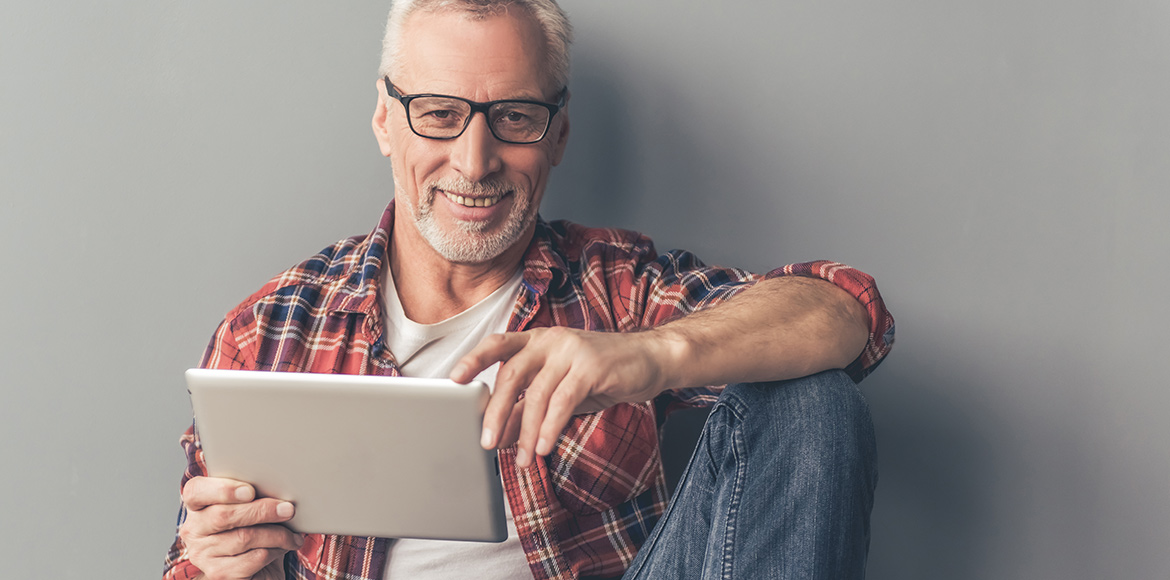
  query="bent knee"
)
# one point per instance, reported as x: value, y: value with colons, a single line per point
x: 822, y: 415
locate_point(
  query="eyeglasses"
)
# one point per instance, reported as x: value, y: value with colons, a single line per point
x: 444, y: 117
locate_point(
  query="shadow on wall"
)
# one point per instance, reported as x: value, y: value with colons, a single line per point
x: 933, y: 509
x: 594, y: 184
x: 648, y: 152
x: 638, y: 159
x: 988, y: 469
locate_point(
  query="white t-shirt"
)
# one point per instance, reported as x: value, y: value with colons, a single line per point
x: 431, y: 350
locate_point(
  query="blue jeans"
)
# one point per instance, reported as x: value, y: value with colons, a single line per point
x: 780, y: 486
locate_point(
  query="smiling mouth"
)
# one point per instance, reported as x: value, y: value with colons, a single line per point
x: 474, y: 201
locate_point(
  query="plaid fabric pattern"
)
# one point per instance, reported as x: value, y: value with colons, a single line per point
x: 585, y: 510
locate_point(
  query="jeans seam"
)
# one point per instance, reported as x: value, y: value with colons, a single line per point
x: 732, y: 525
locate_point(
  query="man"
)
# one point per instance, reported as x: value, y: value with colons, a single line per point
x: 603, y: 338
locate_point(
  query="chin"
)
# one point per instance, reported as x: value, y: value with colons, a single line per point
x: 469, y: 243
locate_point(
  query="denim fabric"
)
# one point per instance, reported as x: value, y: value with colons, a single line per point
x: 780, y: 486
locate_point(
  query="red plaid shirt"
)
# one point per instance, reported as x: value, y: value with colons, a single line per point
x: 586, y: 508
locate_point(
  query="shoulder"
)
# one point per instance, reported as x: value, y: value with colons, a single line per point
x: 308, y: 286
x: 583, y: 243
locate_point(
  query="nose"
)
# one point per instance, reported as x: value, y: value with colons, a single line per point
x: 475, y: 153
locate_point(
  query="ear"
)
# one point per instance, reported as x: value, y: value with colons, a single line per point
x: 562, y: 136
x: 381, y: 121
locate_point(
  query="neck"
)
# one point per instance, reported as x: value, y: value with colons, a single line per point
x: 433, y: 289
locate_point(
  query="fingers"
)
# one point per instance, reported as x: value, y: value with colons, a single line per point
x: 563, y: 403
x: 229, y: 533
x: 561, y: 372
x: 218, y: 518
x: 239, y: 552
x: 493, y: 349
x: 200, y: 492
x: 511, y: 432
x: 536, y: 400
x: 513, y: 378
x: 244, y: 542
x: 536, y: 363
x: 258, y: 564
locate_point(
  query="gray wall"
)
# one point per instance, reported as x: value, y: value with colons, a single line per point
x: 1000, y: 167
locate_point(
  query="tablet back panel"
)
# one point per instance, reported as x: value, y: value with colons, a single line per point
x: 357, y: 455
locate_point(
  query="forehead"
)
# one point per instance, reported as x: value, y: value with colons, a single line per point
x: 480, y: 58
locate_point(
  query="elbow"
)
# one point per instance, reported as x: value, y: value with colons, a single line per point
x: 846, y: 331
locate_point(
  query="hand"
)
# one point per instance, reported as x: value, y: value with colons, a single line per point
x: 230, y: 535
x: 565, y: 372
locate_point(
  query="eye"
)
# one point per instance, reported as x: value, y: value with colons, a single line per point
x: 517, y: 115
x: 436, y: 113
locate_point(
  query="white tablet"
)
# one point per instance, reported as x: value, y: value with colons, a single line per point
x: 358, y: 455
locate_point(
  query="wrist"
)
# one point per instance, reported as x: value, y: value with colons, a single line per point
x: 677, y: 358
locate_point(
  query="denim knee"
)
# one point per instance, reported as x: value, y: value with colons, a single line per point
x: 821, y: 418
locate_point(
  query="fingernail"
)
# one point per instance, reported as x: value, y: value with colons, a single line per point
x: 486, y: 440
x: 300, y: 538
x: 284, y: 509
x: 522, y: 457
x: 542, y: 446
x: 244, y: 493
x: 458, y: 371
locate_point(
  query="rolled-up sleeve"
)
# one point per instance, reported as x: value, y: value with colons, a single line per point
x: 677, y: 282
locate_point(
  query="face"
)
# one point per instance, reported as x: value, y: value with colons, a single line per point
x: 474, y: 198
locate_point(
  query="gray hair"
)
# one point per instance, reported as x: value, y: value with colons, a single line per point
x: 549, y: 17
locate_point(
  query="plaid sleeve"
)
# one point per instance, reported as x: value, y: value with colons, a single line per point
x: 862, y: 287
x: 677, y: 283
x: 222, y: 353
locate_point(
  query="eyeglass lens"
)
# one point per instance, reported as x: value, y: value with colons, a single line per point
x: 443, y: 118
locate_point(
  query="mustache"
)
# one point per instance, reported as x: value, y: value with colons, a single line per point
x: 466, y: 187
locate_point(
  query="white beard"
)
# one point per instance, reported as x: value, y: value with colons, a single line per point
x: 469, y: 244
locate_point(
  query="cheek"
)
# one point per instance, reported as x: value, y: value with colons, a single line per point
x: 533, y: 164
x: 418, y: 162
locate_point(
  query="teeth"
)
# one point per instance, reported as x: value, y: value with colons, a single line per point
x: 474, y: 201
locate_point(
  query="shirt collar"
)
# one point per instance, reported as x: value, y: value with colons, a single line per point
x: 358, y: 285
x: 544, y: 266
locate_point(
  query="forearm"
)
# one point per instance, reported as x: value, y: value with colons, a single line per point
x: 781, y: 328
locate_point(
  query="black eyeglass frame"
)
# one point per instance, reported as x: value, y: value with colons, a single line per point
x: 553, y: 109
